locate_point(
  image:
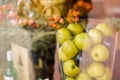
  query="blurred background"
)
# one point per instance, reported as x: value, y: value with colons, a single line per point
x: 105, y: 8
x: 43, y: 37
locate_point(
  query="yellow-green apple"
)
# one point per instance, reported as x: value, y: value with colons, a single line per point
x: 83, y: 76
x: 62, y: 55
x: 100, y: 53
x: 96, y: 35
x: 106, y: 75
x: 75, y: 28
x: 83, y: 41
x: 104, y: 28
x: 70, y: 69
x: 69, y: 49
x: 95, y: 69
x: 63, y: 34
x: 69, y: 78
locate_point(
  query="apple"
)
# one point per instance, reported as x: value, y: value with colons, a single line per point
x: 61, y: 55
x: 62, y: 35
x: 69, y: 49
x: 106, y: 76
x: 83, y: 76
x: 96, y: 35
x: 68, y: 78
x: 100, y: 53
x: 75, y: 28
x: 104, y: 28
x: 70, y: 69
x: 95, y: 69
x: 83, y: 41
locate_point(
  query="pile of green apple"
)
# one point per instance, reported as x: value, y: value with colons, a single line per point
x: 99, y: 52
x: 73, y: 39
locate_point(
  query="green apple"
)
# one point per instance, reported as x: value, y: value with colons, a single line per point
x: 69, y: 78
x: 69, y: 49
x: 62, y: 55
x: 95, y: 69
x: 96, y: 35
x: 100, y: 53
x: 106, y: 76
x: 75, y: 28
x: 63, y: 34
x: 104, y: 28
x: 70, y: 69
x: 83, y: 41
x: 83, y: 76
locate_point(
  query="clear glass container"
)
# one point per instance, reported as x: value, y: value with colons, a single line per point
x: 95, y: 63
x: 111, y: 43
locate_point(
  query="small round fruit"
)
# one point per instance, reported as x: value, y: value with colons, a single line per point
x: 104, y: 28
x: 69, y: 49
x: 62, y: 35
x: 95, y: 69
x: 100, y: 53
x: 83, y: 41
x: 75, y: 28
x: 70, y: 69
x: 62, y: 55
x: 96, y: 35
x: 83, y: 76
x: 106, y: 75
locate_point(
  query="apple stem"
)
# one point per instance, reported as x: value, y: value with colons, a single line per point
x: 73, y: 66
x: 96, y: 55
